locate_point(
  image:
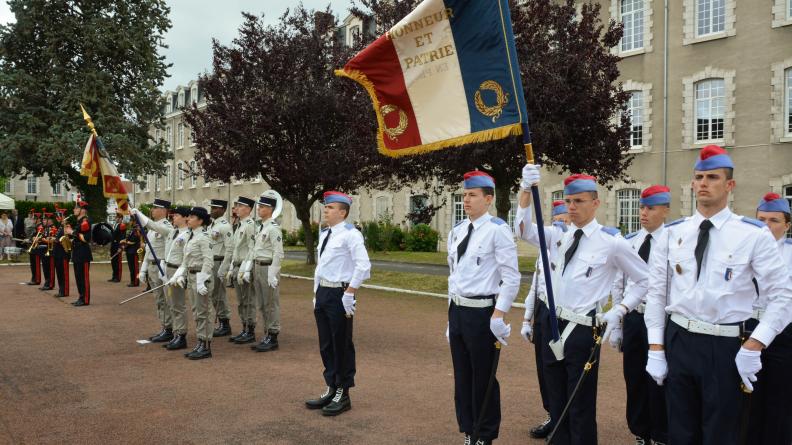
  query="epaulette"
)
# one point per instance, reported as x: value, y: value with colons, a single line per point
x: 497, y: 221
x: 612, y: 231
x: 788, y: 241
x: 753, y: 222
x: 630, y: 235
x: 325, y: 229
x: 561, y: 225
x: 349, y: 226
x: 673, y: 223
x: 460, y: 222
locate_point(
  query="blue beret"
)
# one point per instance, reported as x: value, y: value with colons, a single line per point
x: 713, y: 157
x: 579, y: 183
x: 773, y: 202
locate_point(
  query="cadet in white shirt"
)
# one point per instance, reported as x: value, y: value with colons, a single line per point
x: 243, y: 241
x: 342, y: 265
x: 482, y: 285
x: 150, y: 273
x: 646, y: 408
x: 535, y: 312
x: 588, y: 258
x: 771, y: 408
x: 222, y: 250
x: 701, y: 273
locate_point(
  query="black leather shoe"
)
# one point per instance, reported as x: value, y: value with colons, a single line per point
x: 233, y: 338
x: 32, y: 283
x: 45, y: 287
x: 165, y: 335
x: 112, y: 280
x: 224, y: 328
x: 322, y: 400
x: 132, y: 285
x: 204, y: 351
x: 60, y: 295
x: 247, y: 337
x: 197, y: 345
x: 268, y: 343
x: 338, y: 404
x: 542, y: 430
x: 178, y: 342
x: 79, y: 303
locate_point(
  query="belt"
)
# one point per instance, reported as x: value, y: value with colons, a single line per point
x: 218, y: 258
x: 172, y: 266
x: 459, y: 300
x: 327, y: 283
x: 567, y: 314
x: 194, y: 271
x: 641, y: 308
x: 237, y: 263
x: 757, y: 314
x: 702, y: 327
x: 264, y: 262
x: 152, y: 262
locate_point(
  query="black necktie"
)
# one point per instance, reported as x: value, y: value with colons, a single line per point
x: 324, y: 243
x: 701, y: 244
x: 571, y: 251
x: 462, y: 247
x: 645, y: 248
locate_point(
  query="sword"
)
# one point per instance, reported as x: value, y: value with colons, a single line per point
x: 586, y: 369
x: 746, y: 414
x: 477, y: 427
x: 143, y: 293
x: 116, y: 254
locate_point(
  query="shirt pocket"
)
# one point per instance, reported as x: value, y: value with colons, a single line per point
x: 727, y: 269
x: 591, y: 265
x: 682, y: 263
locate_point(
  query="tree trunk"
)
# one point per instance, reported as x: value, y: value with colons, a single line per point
x: 502, y: 199
x: 303, y: 210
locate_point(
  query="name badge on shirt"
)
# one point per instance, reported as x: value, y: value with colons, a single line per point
x: 728, y: 275
x: 588, y: 271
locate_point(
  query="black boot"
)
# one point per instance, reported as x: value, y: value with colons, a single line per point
x: 268, y: 343
x: 247, y: 337
x: 322, y: 400
x: 233, y: 338
x: 224, y: 328
x: 178, y: 342
x: 204, y: 351
x: 338, y: 404
x: 197, y: 345
x: 80, y: 302
x: 542, y: 430
x: 166, y: 334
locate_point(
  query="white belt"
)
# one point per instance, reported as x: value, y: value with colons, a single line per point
x: 567, y: 314
x: 542, y: 297
x: 757, y: 314
x: 641, y: 308
x: 702, y: 327
x: 471, y: 302
x: 327, y: 283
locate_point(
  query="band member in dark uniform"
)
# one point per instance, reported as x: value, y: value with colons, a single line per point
x: 61, y: 255
x: 119, y: 233
x: 81, y: 252
x: 131, y: 244
x: 45, y: 251
x: 35, y: 264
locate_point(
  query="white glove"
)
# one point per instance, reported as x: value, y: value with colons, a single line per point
x: 500, y: 329
x: 273, y: 282
x: 202, y: 278
x: 615, y: 338
x: 243, y: 277
x: 314, y: 303
x: 142, y: 275
x: 202, y: 289
x: 348, y: 300
x: 162, y: 269
x: 221, y: 274
x: 526, y: 330
x: 229, y: 275
x: 748, y: 364
x: 656, y: 366
x: 613, y: 319
x: 448, y: 335
x: 530, y: 176
x: 141, y: 217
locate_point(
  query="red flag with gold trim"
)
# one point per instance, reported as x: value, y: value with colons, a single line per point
x: 96, y: 165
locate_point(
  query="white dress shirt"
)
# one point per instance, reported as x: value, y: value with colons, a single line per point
x: 589, y: 277
x: 738, y: 250
x: 344, y: 259
x: 489, y: 265
x: 538, y: 288
x: 622, y: 284
x: 785, y: 249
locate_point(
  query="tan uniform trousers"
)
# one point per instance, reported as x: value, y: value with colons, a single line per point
x: 267, y: 300
x: 178, y: 304
x: 219, y: 297
x: 163, y: 308
x: 202, y: 308
x: 247, y: 302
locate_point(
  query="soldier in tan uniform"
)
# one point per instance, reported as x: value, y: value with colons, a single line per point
x: 264, y: 261
x: 243, y: 241
x: 221, y: 233
x: 149, y: 272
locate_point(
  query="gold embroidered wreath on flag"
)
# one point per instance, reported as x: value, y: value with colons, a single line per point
x: 502, y: 99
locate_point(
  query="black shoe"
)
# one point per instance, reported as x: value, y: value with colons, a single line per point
x: 179, y: 342
x: 197, y: 345
x: 247, y: 337
x: 80, y: 302
x: 132, y: 285
x: 166, y: 334
x: 322, y: 401
x: 268, y: 343
x: 233, y: 338
x: 45, y: 287
x: 32, y: 283
x: 60, y: 295
x: 542, y: 430
x: 204, y: 351
x: 113, y: 280
x: 224, y: 328
x: 338, y: 404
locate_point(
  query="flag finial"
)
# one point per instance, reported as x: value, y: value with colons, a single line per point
x: 88, y: 120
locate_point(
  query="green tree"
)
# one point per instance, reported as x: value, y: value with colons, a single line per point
x: 101, y: 53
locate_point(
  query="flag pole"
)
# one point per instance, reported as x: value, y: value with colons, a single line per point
x: 92, y: 127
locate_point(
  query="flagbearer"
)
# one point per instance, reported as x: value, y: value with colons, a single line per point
x: 482, y: 285
x: 342, y: 266
x: 151, y: 274
x: 61, y: 255
x: 646, y: 408
x: 119, y: 233
x: 535, y: 312
x: 583, y: 269
x: 771, y: 410
x: 700, y: 296
x: 81, y: 252
x: 243, y: 241
x: 222, y: 251
x: 130, y: 244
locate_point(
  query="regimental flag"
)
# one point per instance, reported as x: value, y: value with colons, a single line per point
x: 445, y: 75
x: 96, y: 164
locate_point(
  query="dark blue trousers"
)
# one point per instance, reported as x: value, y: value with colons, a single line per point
x: 771, y: 401
x: 579, y: 427
x: 646, y: 407
x: 335, y: 338
x: 538, y: 340
x: 472, y: 353
x: 704, y: 401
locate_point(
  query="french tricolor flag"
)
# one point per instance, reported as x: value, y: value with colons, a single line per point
x: 445, y: 75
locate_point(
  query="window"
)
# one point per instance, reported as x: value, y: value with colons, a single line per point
x: 180, y: 175
x: 169, y: 136
x: 156, y: 183
x: 180, y: 135
x: 381, y: 208
x: 557, y: 195
x: 354, y: 35
x: 158, y: 136
x: 788, y: 92
x: 512, y: 209
x: 635, y: 112
x: 207, y: 182
x: 181, y: 98
x: 788, y: 195
x: 632, y: 15
x: 418, y: 203
x: 32, y: 185
x: 194, y: 94
x: 628, y: 213
x: 710, y: 16
x: 168, y: 179
x: 193, y: 176
x: 8, y: 186
x: 789, y: 10
x: 57, y: 189
x: 146, y: 183
x: 710, y: 109
x: 459, y: 209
